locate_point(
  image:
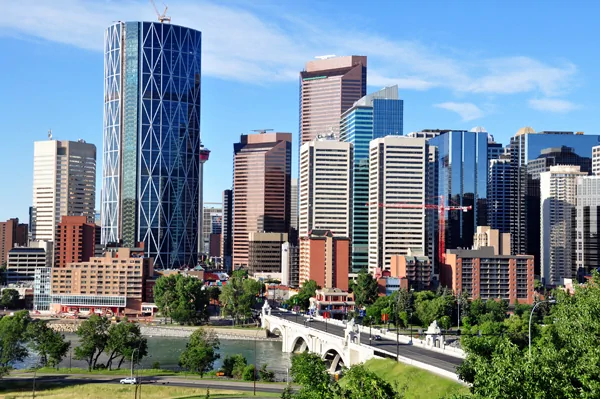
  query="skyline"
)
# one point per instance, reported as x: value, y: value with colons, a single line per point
x: 488, y: 76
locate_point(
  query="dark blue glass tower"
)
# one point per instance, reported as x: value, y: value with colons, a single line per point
x: 376, y: 115
x: 151, y: 169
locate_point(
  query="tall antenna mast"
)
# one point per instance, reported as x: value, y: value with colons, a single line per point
x: 161, y: 17
x: 49, y: 134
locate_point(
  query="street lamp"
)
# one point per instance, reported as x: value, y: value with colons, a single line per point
x: 550, y: 301
x: 133, y: 353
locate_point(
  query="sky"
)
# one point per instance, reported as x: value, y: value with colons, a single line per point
x: 497, y: 64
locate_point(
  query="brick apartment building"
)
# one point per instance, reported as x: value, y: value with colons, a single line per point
x: 12, y: 234
x: 75, y: 241
x: 325, y: 259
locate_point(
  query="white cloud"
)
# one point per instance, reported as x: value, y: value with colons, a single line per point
x: 467, y: 111
x: 265, y: 44
x: 552, y: 105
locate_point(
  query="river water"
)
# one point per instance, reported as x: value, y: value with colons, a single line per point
x: 166, y: 351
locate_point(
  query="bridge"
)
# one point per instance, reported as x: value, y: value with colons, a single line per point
x: 346, y: 344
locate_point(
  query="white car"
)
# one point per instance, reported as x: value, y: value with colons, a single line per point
x: 128, y: 380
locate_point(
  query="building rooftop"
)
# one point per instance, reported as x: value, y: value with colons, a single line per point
x: 483, y: 252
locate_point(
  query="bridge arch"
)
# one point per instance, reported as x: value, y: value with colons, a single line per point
x: 299, y: 344
x: 334, y: 360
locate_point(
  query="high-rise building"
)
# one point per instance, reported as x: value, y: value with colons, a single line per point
x: 587, y: 234
x: 290, y: 269
x: 264, y: 254
x: 227, y: 229
x: 488, y: 237
x: 152, y: 150
x: 461, y: 168
x: 558, y: 201
x: 261, y: 189
x: 532, y: 153
x: 324, y: 258
x: 12, y: 233
x: 64, y: 184
x: 376, y: 115
x: 75, y: 241
x: 397, y: 194
x: 596, y: 160
x: 212, y: 223
x: 498, y: 201
x: 328, y: 87
x: 294, y: 212
x: 427, y: 133
x: 22, y: 262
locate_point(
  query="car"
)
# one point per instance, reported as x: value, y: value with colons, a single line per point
x: 129, y: 380
x: 310, y: 319
x: 378, y: 338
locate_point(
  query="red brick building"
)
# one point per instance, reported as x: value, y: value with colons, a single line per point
x: 325, y: 259
x: 12, y: 233
x: 75, y: 241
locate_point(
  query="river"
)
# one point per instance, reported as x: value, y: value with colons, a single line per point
x: 166, y: 351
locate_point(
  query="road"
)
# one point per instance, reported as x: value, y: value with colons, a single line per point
x: 444, y: 362
x: 75, y: 379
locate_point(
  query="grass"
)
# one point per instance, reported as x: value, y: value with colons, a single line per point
x: 114, y: 391
x: 121, y: 372
x: 419, y: 384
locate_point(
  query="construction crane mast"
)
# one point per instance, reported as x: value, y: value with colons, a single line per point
x: 161, y: 17
x: 442, y: 208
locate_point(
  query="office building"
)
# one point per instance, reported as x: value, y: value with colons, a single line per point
x: 596, y: 160
x: 558, y: 202
x: 427, y: 133
x: 324, y: 258
x: 12, y: 233
x: 64, y: 184
x: 152, y: 158
x: 376, y: 115
x: 587, y: 229
x: 41, y: 288
x: 212, y: 223
x: 264, y: 254
x: 112, y: 284
x: 397, y: 195
x: 75, y: 241
x: 485, y: 236
x: 22, y: 262
x: 531, y: 154
x: 484, y: 275
x: 498, y: 201
x: 414, y: 267
x: 261, y: 189
x: 227, y: 229
x: 294, y: 211
x: 461, y: 168
x: 290, y: 269
x: 328, y: 87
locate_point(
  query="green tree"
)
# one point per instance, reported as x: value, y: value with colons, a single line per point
x: 307, y: 291
x: 249, y: 373
x: 266, y: 374
x: 287, y: 393
x: 380, y: 306
x: 13, y: 338
x: 10, y: 298
x: 360, y: 383
x: 3, y: 268
x: 93, y: 337
x: 430, y: 307
x: 49, y: 344
x: 201, y: 352
x: 238, y: 296
x: 365, y: 290
x: 309, y: 371
x: 233, y: 365
x: 182, y: 298
x: 125, y: 341
x: 214, y: 293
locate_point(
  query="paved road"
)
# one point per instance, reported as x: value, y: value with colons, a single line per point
x: 75, y: 379
x: 445, y: 362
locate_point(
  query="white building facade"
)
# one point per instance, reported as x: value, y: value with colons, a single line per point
x: 587, y: 245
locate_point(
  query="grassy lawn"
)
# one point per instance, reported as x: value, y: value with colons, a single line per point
x: 420, y: 384
x: 121, y: 372
x: 113, y: 391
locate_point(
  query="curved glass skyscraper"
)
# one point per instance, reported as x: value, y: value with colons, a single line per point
x: 151, y: 148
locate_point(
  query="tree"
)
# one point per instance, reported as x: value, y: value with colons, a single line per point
x: 182, y: 298
x: 365, y: 290
x: 249, y: 373
x: 214, y: 293
x: 125, y: 340
x: 308, y: 290
x: 3, y: 268
x: 309, y: 371
x: 200, y: 353
x: 430, y: 307
x: 238, y: 297
x: 233, y: 365
x: 10, y: 298
x: 266, y: 374
x: 360, y: 383
x: 93, y: 337
x: 49, y: 344
x: 13, y: 338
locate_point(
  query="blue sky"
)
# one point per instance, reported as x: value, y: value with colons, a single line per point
x: 497, y: 64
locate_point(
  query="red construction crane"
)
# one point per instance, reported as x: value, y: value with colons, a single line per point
x: 442, y: 208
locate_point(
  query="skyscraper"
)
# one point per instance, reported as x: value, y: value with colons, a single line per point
x: 151, y: 169
x: 261, y: 189
x: 498, y: 201
x: 328, y: 87
x: 397, y: 192
x: 293, y: 236
x: 227, y: 229
x: 531, y: 154
x: 64, y: 184
x: 558, y: 201
x: 376, y: 115
x: 212, y: 223
x: 587, y: 235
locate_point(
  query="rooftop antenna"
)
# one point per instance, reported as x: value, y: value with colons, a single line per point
x: 161, y: 17
x: 49, y: 134
x: 262, y: 131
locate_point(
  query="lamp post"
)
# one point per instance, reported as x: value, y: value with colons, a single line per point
x: 132, y: 354
x: 550, y: 301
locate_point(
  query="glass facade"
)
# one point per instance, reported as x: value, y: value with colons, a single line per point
x: 41, y: 288
x: 377, y: 115
x: 532, y: 153
x: 587, y: 241
x: 461, y: 165
x: 151, y: 169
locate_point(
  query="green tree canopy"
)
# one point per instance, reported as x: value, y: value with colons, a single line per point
x: 13, y: 338
x: 239, y: 296
x: 360, y: 383
x: 49, y: 344
x: 365, y: 290
x: 10, y: 298
x: 125, y: 342
x: 93, y: 337
x: 201, y: 352
x: 182, y: 298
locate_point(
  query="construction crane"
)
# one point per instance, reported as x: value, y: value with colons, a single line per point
x: 441, y: 222
x: 161, y: 17
x: 262, y: 131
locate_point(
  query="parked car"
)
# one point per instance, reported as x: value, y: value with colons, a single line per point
x: 129, y: 380
x: 378, y: 338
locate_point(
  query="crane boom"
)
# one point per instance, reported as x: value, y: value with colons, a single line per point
x: 161, y: 17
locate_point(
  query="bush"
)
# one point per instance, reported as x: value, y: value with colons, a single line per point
x: 248, y: 374
x: 266, y: 375
x: 233, y: 366
x: 156, y: 365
